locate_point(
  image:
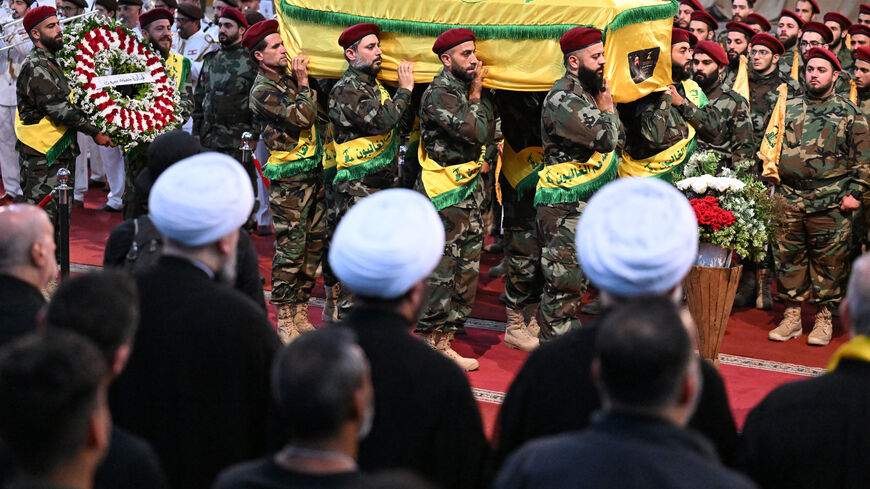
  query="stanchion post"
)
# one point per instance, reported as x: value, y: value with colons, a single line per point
x: 247, y: 154
x: 63, y: 220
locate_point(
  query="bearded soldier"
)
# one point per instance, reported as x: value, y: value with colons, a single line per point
x: 839, y: 25
x: 736, y: 44
x: 10, y: 68
x: 765, y: 78
x: 788, y: 31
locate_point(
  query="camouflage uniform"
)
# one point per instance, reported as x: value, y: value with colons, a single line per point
x: 356, y: 111
x: 723, y: 126
x: 826, y: 148
x: 221, y: 112
x: 453, y: 130
x: 42, y: 91
x: 763, y: 95
x: 572, y: 129
x: 786, y: 60
x: 281, y: 109
x: 862, y: 220
x: 652, y: 125
x: 842, y: 86
x: 845, y: 56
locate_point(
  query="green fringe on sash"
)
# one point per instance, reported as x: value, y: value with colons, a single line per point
x: 643, y: 14
x: 371, y: 166
x: 329, y: 174
x: 292, y: 168
x: 59, y: 147
x: 526, y: 185
x: 455, y: 196
x: 668, y: 176
x: 579, y: 192
x: 185, y: 71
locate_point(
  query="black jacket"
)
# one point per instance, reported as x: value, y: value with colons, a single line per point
x: 20, y: 302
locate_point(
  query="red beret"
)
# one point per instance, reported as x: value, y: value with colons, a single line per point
x: 826, y: 55
x: 190, y: 11
x: 713, y: 50
x: 815, y: 5
x: 839, y: 18
x: 863, y: 53
x: 682, y: 35
x: 579, y: 38
x: 356, y: 32
x: 36, y: 15
x: 741, y: 28
x: 796, y: 17
x: 258, y: 32
x: 864, y: 9
x: 452, y: 38
x: 859, y: 29
x: 706, y: 18
x: 819, y: 28
x: 757, y: 19
x: 771, y: 42
x: 155, y: 14
x: 693, y: 3
x: 235, y: 15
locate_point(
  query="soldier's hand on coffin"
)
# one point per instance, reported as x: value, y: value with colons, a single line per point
x: 299, y: 67
x: 604, y: 98
x: 406, y: 75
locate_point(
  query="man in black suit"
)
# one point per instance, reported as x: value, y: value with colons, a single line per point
x: 426, y: 418
x: 197, y: 383
x: 27, y: 264
x: 814, y: 433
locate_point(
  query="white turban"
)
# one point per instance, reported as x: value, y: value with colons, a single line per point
x: 637, y: 236
x: 386, y: 243
x: 200, y: 199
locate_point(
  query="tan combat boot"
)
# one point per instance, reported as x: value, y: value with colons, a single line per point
x: 790, y: 326
x: 441, y: 342
x: 300, y: 318
x: 330, y: 312
x: 594, y: 307
x: 530, y: 318
x: 516, y: 335
x: 286, y: 327
x: 822, y: 329
x: 764, y: 300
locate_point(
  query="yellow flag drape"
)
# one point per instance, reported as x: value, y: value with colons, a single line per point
x: 771, y: 143
x: 366, y: 155
x: 741, y: 82
x: 796, y: 65
x: 448, y: 185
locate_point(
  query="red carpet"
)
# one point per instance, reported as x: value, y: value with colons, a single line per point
x: 746, y: 335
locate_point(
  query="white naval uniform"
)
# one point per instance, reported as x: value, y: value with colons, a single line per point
x: 10, y: 68
x: 195, y: 48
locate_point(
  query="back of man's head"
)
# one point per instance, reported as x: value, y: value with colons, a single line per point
x: 51, y: 396
x: 27, y: 244
x: 316, y: 379
x: 858, y: 297
x: 644, y: 353
x: 101, y: 306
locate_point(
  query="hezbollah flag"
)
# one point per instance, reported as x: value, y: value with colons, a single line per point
x: 518, y: 40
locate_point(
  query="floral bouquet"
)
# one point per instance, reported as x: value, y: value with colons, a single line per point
x: 733, y: 207
x: 118, y: 81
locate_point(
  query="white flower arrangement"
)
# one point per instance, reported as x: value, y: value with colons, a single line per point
x: 704, y: 183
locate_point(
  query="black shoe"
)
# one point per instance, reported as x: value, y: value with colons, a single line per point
x: 96, y: 184
x: 108, y: 208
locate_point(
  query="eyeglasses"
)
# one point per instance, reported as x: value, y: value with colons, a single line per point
x: 812, y: 44
x: 760, y: 52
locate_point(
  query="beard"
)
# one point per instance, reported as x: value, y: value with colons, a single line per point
x: 705, y: 81
x: 733, y: 60
x: 368, y: 68
x: 836, y: 44
x: 227, y: 273
x: 155, y: 43
x: 789, y: 43
x: 227, y: 40
x: 593, y: 80
x: 52, y: 44
x: 462, y: 74
x: 680, y: 73
x: 821, y: 90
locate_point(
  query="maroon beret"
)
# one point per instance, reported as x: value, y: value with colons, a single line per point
x: 693, y: 3
x: 815, y: 5
x: 859, y: 29
x: 356, y: 32
x: 682, y: 35
x: 706, y: 18
x: 258, y: 32
x: 234, y: 15
x: 757, y: 19
x: 713, y: 50
x: 864, y: 8
x: 252, y: 17
x: 579, y: 38
x: 771, y: 42
x: 452, y: 38
x: 190, y: 11
x: 155, y: 14
x: 36, y: 15
x: 796, y: 17
x: 741, y: 28
x: 839, y: 18
x: 826, y: 55
x: 863, y: 53
x: 819, y: 28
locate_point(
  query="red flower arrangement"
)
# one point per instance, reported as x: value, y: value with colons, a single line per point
x: 709, y: 213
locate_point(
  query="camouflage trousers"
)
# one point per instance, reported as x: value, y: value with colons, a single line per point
x: 812, y: 256
x: 299, y: 217
x: 38, y: 180
x: 564, y: 283
x: 330, y: 201
x: 453, y: 284
x: 523, y: 281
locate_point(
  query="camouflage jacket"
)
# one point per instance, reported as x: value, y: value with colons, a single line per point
x: 825, y: 152
x: 786, y: 60
x: 520, y: 114
x: 221, y: 110
x: 763, y: 95
x: 652, y: 125
x: 729, y: 74
x: 723, y: 126
x: 42, y: 91
x: 864, y: 102
x: 572, y: 126
x: 356, y: 111
x: 845, y: 57
x: 843, y: 85
x: 281, y: 109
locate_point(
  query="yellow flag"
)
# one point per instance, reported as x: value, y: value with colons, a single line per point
x: 448, y: 185
x: 853, y: 92
x: 741, y: 82
x: 771, y: 143
x: 45, y: 136
x: 796, y: 65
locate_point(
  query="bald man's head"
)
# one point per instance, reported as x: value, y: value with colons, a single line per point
x: 858, y: 296
x: 27, y: 244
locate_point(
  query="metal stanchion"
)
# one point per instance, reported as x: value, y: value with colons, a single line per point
x: 63, y: 220
x: 247, y: 153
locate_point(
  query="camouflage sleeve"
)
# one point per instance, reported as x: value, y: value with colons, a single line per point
x: 199, y: 96
x: 742, y: 132
x: 363, y: 109
x: 461, y: 119
x: 300, y: 111
x: 43, y: 90
x: 859, y: 154
x: 657, y: 122
x: 574, y: 120
x: 186, y: 97
x: 708, y: 121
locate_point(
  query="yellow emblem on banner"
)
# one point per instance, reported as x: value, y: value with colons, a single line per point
x: 305, y: 156
x: 573, y: 181
x: 771, y: 143
x: 448, y: 185
x: 366, y: 155
x: 521, y: 169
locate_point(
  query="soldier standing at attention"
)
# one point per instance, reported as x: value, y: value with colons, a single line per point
x: 580, y: 131
x: 284, y: 108
x: 788, y: 31
x: 48, y: 121
x: 765, y: 78
x: 193, y: 42
x: 10, y: 68
x: 456, y: 124
x: 221, y: 111
x: 839, y: 25
x: 823, y: 170
x: 737, y: 36
x: 365, y: 122
x: 862, y: 79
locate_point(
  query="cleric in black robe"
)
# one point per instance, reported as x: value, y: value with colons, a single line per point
x: 426, y: 418
x: 637, y: 242
x: 196, y: 386
x: 814, y: 433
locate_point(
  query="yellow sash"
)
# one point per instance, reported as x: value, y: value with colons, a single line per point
x: 448, y: 185
x: 741, y: 82
x: 521, y: 169
x: 663, y: 164
x: 771, y: 143
x: 178, y: 68
x: 573, y: 181
x: 305, y: 156
x: 858, y: 348
x: 45, y: 136
x: 853, y: 92
x: 796, y: 65
x: 366, y: 155
x: 329, y: 162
